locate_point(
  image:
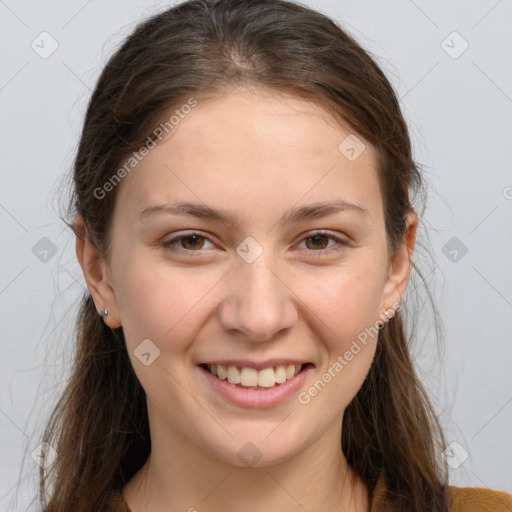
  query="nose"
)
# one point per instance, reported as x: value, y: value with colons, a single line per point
x: 259, y: 304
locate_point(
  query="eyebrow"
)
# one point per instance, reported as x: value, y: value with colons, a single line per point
x: 292, y: 216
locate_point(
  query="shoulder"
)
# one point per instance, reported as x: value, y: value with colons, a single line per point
x: 478, y: 499
x: 460, y: 499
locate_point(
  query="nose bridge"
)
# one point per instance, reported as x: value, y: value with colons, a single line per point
x: 259, y: 304
x: 260, y: 285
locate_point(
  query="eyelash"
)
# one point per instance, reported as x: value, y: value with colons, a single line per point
x: 169, y: 245
x: 341, y: 244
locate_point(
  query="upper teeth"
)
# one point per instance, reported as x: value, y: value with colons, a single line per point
x: 266, y: 378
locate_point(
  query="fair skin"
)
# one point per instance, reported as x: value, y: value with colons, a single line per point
x: 254, y: 154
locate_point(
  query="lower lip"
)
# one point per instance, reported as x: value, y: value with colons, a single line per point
x: 257, y: 398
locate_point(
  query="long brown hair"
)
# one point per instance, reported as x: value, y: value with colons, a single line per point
x: 200, y: 48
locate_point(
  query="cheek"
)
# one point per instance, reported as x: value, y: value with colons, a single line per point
x: 345, y: 302
x: 166, y: 306
x: 346, y: 306
x: 157, y: 301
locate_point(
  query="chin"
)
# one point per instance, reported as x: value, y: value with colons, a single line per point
x: 258, y: 451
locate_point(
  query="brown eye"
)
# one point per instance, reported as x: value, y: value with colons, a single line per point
x: 317, y: 242
x: 321, y: 244
x: 188, y: 244
x: 192, y: 242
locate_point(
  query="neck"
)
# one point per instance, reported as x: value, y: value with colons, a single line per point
x: 178, y: 476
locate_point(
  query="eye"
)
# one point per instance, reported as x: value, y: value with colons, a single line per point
x: 190, y: 242
x: 319, y: 242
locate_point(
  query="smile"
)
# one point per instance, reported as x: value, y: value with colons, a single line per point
x: 252, y: 378
x: 250, y: 387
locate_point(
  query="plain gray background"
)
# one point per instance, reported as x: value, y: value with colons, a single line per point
x: 458, y: 103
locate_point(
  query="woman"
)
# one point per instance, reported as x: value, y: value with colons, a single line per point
x: 244, y: 226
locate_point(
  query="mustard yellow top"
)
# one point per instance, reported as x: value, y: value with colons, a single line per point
x: 462, y: 499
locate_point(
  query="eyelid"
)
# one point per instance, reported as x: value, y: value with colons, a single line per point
x: 341, y: 242
x: 169, y: 243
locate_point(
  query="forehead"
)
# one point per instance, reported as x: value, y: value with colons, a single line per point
x: 257, y: 148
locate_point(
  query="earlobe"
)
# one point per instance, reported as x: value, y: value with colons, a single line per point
x: 399, y: 270
x: 96, y: 275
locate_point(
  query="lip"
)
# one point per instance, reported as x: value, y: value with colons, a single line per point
x: 241, y: 363
x: 256, y: 398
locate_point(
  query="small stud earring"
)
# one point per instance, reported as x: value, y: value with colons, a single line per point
x: 389, y: 313
x: 104, y: 313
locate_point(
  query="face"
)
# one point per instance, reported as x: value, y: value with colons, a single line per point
x: 249, y: 239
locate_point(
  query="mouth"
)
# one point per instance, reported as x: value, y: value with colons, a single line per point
x: 246, y: 377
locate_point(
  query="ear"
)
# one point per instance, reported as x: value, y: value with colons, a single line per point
x: 96, y: 273
x: 399, y: 269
